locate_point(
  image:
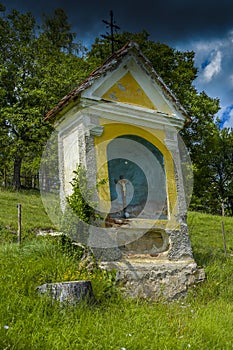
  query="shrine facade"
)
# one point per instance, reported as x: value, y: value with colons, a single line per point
x: 122, y: 124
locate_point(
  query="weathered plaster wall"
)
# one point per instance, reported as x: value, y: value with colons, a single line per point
x: 70, y: 146
x: 76, y: 146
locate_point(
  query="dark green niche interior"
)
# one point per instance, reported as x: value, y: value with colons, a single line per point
x: 141, y: 166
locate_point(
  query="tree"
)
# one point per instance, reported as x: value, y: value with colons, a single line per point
x: 37, y: 69
x: 214, y: 173
x: 17, y: 38
x: 56, y: 30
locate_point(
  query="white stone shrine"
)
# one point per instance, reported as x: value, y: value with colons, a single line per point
x: 122, y: 124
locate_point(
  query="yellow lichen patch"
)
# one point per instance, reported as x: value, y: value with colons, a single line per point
x: 127, y: 90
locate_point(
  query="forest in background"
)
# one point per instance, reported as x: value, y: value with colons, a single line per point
x: 39, y: 64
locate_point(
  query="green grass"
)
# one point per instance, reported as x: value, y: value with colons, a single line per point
x: 205, y: 232
x: 34, y: 216
x: 204, y: 320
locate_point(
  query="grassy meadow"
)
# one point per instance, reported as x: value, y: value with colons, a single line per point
x: 204, y: 320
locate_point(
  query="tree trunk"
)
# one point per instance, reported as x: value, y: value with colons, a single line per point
x: 231, y: 205
x: 17, y: 173
x: 71, y: 292
x: 5, y: 178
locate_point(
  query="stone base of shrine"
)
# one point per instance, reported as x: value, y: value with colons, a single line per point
x: 151, y: 279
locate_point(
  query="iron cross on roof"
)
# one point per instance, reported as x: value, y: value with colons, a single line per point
x: 112, y: 26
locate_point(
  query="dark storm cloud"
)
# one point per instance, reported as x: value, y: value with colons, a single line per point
x: 167, y: 21
x: 172, y: 21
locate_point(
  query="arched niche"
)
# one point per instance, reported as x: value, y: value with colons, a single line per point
x: 137, y: 178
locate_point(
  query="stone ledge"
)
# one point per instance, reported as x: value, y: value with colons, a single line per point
x: 145, y: 278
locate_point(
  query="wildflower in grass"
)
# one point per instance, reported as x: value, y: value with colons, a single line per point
x: 6, y: 327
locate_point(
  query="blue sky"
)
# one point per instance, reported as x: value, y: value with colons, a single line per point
x: 204, y: 26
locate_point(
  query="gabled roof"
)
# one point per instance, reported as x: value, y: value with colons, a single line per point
x: 110, y: 64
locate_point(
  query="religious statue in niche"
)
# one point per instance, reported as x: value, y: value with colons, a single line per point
x: 123, y: 189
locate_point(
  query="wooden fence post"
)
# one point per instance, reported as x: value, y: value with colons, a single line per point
x: 224, y: 239
x: 223, y: 230
x: 19, y: 223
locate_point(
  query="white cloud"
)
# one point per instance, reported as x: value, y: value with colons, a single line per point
x: 213, y: 59
x: 207, y: 46
x: 213, y: 68
x: 229, y: 122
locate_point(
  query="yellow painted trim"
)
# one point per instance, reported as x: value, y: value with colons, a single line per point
x: 127, y: 90
x: 156, y: 137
